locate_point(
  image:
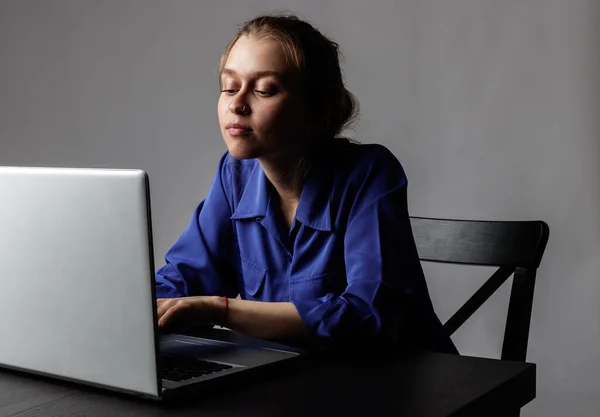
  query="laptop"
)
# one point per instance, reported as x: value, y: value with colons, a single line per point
x: 77, y: 289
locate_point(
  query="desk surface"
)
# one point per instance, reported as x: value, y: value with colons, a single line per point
x: 427, y: 384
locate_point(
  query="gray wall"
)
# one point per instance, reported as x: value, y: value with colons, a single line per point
x: 491, y: 106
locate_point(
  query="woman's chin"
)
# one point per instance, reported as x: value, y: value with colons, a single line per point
x: 239, y: 151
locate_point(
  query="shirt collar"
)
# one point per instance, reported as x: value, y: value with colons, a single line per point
x: 314, y: 206
x: 314, y: 209
x: 255, y: 197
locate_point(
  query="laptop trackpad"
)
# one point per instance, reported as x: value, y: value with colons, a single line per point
x: 208, y: 349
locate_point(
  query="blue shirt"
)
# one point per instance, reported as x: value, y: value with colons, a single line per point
x: 348, y: 263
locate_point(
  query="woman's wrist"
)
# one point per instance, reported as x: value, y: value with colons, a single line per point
x: 220, y: 307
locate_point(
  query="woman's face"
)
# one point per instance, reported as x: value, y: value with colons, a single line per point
x: 261, y: 110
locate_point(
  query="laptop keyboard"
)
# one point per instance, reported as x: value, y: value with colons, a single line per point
x: 178, y: 368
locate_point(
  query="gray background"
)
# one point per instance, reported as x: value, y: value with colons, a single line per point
x: 490, y: 105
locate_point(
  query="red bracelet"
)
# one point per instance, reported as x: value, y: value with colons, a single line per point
x: 226, y: 308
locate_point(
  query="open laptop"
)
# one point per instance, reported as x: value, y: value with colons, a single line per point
x: 77, y: 297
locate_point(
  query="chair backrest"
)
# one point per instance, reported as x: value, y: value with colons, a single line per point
x: 516, y: 248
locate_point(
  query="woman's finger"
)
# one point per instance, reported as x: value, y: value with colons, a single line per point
x: 167, y: 315
x: 174, y: 317
x: 162, y: 305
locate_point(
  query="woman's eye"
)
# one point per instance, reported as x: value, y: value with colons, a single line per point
x: 264, y: 93
x: 228, y: 91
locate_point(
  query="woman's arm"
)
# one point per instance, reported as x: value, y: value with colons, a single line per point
x: 278, y: 321
x: 198, y: 262
x: 382, y: 269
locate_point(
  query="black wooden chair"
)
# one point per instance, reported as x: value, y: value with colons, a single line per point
x: 516, y: 248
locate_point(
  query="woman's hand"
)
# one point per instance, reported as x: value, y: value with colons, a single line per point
x: 178, y: 314
x: 276, y: 321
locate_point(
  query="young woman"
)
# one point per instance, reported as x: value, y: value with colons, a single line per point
x: 311, y: 230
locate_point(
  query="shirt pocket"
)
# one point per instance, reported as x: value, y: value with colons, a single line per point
x: 311, y: 288
x: 253, y: 278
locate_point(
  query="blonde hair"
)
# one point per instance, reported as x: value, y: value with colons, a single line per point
x: 315, y: 60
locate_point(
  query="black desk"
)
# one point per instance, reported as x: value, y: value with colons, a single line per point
x: 421, y: 385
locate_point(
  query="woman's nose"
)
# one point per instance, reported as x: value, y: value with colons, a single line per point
x: 239, y: 106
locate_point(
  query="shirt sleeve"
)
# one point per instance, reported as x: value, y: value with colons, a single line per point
x: 197, y: 264
x: 382, y: 266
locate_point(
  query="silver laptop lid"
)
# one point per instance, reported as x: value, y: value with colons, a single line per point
x: 76, y: 276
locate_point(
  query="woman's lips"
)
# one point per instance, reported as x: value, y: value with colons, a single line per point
x: 238, y: 129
